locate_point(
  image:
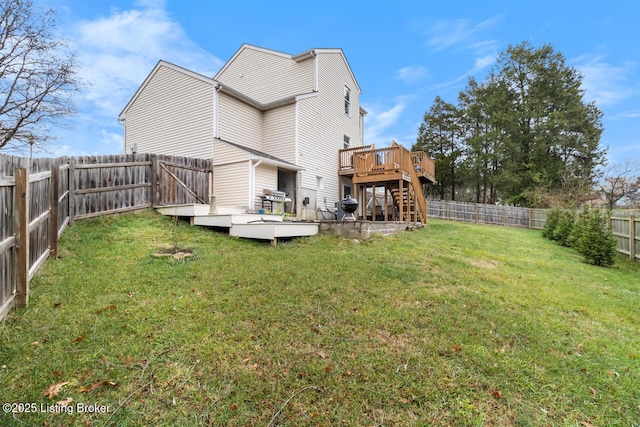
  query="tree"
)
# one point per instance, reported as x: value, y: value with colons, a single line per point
x: 38, y: 75
x: 552, y: 134
x: 524, y: 133
x: 620, y: 180
x: 592, y: 238
x: 439, y: 138
x: 482, y: 138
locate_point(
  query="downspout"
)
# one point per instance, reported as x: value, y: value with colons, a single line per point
x: 252, y: 183
x: 315, y: 70
x: 296, y: 141
x: 212, y: 200
x: 216, y: 130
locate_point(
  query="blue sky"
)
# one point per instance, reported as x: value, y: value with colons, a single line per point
x: 403, y: 53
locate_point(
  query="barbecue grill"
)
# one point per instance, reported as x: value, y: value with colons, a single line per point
x: 349, y: 205
x: 273, y: 196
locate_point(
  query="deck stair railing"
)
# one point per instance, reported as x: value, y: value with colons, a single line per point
x: 405, y: 170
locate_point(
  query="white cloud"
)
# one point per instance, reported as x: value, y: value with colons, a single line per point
x: 411, y: 74
x: 379, y: 122
x: 113, y: 141
x: 447, y: 33
x: 605, y: 83
x: 482, y: 63
x: 119, y: 50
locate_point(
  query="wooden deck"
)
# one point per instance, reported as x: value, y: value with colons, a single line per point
x: 368, y: 164
x: 402, y: 173
x: 249, y: 226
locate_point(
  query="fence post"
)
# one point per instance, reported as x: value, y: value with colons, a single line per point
x: 632, y: 237
x: 21, y: 228
x: 154, y: 180
x: 54, y: 193
x: 72, y: 189
x: 530, y: 218
x: 476, y: 209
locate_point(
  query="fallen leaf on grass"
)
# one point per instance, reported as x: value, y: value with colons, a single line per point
x: 496, y: 394
x: 95, y: 385
x: 57, y: 373
x: 234, y: 407
x: 109, y: 307
x: 57, y: 304
x: 456, y: 347
x: 65, y: 402
x: 323, y: 354
x: 593, y: 391
x: 54, y: 389
x: 78, y: 339
x: 328, y: 369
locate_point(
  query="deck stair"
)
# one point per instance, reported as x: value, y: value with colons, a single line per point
x: 399, y: 171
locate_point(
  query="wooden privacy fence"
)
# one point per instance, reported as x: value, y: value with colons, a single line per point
x: 626, y: 230
x: 624, y: 225
x: 40, y: 197
x: 488, y: 214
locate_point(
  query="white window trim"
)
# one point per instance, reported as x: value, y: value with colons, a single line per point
x: 347, y: 101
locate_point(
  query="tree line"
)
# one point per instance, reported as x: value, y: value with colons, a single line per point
x: 525, y: 136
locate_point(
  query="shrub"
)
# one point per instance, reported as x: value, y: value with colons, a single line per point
x: 564, y: 227
x: 592, y: 238
x: 551, y: 223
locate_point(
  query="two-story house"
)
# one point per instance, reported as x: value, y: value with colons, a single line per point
x: 269, y: 120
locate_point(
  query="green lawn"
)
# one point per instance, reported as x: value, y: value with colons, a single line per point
x: 455, y: 324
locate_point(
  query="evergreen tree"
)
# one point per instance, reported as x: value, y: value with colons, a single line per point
x: 524, y: 132
x: 439, y: 138
x: 592, y: 238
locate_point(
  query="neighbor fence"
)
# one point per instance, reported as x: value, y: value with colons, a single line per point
x: 39, y: 198
x: 624, y: 225
x: 626, y: 230
x: 487, y: 214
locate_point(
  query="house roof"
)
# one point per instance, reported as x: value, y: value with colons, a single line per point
x: 267, y: 158
x: 160, y: 64
x: 297, y: 57
x: 262, y: 105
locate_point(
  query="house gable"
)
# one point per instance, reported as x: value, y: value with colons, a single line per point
x: 171, y: 113
x: 267, y: 75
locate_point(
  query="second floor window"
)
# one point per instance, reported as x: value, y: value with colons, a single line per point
x: 347, y: 101
x: 347, y: 142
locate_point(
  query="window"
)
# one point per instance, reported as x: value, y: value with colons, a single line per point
x: 319, y: 183
x: 347, y: 101
x: 347, y: 142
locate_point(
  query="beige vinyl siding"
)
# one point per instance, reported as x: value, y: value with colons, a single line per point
x: 231, y: 184
x: 172, y: 115
x: 266, y: 77
x: 266, y: 177
x: 225, y: 153
x: 279, y: 132
x: 239, y: 122
x: 322, y: 124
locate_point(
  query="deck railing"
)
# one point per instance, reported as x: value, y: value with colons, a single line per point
x: 367, y: 160
x: 423, y: 164
x: 347, y: 156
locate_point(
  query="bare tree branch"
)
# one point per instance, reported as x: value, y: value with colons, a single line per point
x: 620, y: 180
x: 38, y: 75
